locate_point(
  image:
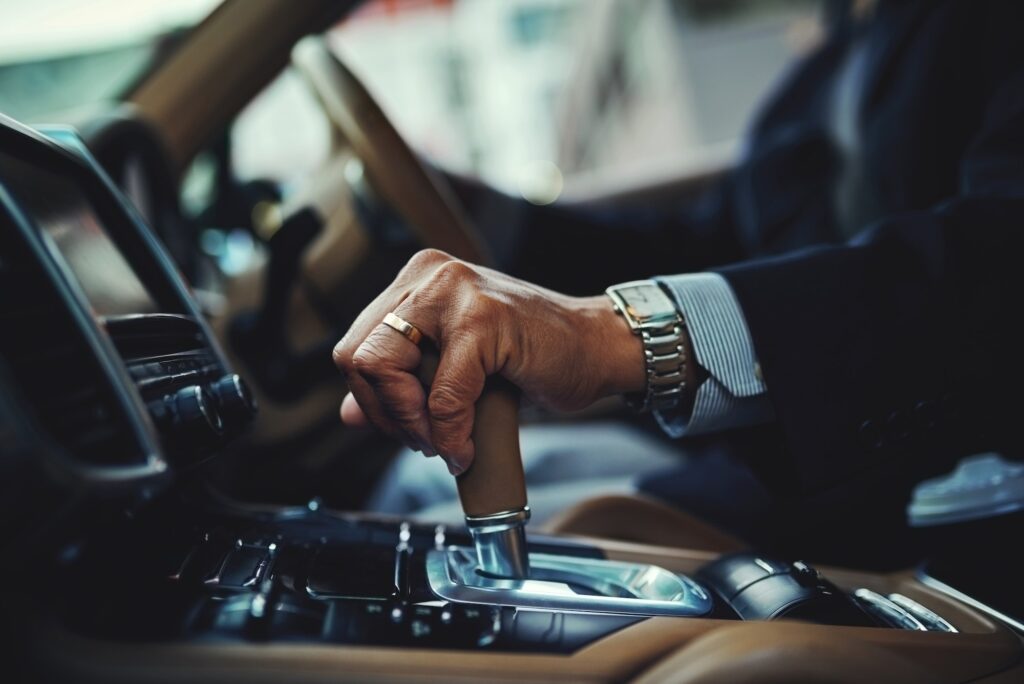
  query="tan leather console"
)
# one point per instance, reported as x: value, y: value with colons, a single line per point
x: 643, y: 520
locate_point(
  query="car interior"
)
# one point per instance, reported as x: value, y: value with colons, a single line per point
x: 181, y: 503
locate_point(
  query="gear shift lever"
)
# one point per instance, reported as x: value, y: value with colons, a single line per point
x: 493, y: 489
x: 493, y: 496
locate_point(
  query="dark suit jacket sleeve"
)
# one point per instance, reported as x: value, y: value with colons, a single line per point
x: 902, y: 349
x: 580, y: 249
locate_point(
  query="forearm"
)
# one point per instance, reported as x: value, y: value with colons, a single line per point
x: 581, y: 249
x: 898, y: 351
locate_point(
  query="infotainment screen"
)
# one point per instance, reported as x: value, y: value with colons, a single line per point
x: 65, y: 215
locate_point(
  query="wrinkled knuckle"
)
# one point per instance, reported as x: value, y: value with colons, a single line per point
x: 454, y: 272
x: 447, y: 440
x: 404, y: 412
x: 428, y: 257
x: 444, y: 406
x: 401, y: 402
x: 342, y: 357
x: 448, y: 445
x: 367, y: 358
x: 362, y: 361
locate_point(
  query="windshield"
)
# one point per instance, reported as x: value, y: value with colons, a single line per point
x: 58, y: 57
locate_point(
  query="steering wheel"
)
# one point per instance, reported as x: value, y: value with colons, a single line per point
x: 419, y: 195
x: 285, y: 348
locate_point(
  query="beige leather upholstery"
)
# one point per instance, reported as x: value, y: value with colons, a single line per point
x: 788, y: 654
x: 641, y: 520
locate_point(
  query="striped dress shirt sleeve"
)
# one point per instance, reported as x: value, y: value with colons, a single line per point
x: 734, y: 395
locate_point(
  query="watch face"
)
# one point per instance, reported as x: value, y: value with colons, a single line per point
x: 646, y: 302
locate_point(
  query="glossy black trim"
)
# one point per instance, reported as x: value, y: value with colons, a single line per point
x: 142, y: 250
x: 151, y: 460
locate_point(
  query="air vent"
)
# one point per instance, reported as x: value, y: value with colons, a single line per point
x: 54, y: 367
x: 151, y: 335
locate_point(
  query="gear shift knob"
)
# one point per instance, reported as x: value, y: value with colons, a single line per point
x: 493, y: 490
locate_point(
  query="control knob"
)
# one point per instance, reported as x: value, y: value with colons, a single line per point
x: 235, y: 400
x: 190, y: 414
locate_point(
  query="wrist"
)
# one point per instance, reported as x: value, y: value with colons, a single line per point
x: 618, y: 353
x: 655, y: 320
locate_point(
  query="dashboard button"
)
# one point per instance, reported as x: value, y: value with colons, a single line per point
x: 930, y: 619
x: 805, y: 575
x: 887, y: 611
x: 243, y: 567
x: 346, y: 572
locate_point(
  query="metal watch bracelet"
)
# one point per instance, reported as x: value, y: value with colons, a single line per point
x: 665, y: 360
x: 654, y: 318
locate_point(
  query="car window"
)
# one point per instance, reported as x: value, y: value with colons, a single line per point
x: 282, y: 135
x: 531, y: 96
x: 58, y: 57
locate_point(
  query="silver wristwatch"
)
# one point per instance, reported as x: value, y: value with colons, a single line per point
x: 653, y: 316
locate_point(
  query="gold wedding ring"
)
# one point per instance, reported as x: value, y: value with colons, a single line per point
x: 410, y: 331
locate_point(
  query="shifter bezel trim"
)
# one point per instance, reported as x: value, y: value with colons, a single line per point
x: 642, y: 589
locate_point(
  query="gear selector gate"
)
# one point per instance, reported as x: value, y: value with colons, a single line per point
x: 500, y: 570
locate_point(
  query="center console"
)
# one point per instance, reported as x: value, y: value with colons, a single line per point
x: 186, y: 583
x: 309, y: 575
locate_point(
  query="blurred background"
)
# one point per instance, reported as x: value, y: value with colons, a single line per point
x: 548, y: 100
x: 536, y: 97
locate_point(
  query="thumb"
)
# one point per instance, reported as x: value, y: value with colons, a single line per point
x: 352, y: 413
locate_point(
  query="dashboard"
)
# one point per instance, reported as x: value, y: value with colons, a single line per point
x: 75, y: 234
x: 103, y: 342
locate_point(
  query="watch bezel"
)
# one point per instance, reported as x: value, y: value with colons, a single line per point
x: 636, y: 321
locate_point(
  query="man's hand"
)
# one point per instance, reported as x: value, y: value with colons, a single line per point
x: 562, y: 352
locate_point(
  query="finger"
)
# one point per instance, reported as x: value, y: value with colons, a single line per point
x: 363, y: 325
x: 351, y: 413
x: 365, y: 397
x: 451, y: 405
x: 387, y: 361
x: 419, y: 267
x: 362, y: 406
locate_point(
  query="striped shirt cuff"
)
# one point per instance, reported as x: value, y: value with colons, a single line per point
x: 734, y: 395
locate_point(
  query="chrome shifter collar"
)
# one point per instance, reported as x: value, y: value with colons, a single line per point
x: 498, y: 521
x: 500, y: 541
